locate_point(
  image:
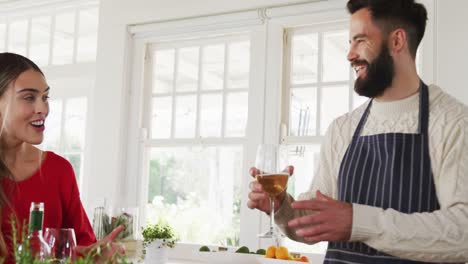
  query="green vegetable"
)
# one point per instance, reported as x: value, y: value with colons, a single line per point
x: 243, y: 249
x: 261, y: 251
x: 124, y: 219
x: 204, y: 249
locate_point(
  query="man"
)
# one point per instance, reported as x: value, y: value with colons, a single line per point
x: 392, y: 184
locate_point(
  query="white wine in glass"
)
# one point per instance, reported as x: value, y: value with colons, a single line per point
x: 271, y: 161
x: 273, y: 184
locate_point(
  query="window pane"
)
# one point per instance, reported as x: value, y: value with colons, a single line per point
x: 304, y: 55
x: 211, y: 115
x: 2, y: 37
x: 53, y: 126
x: 358, y: 100
x: 213, y: 67
x: 64, y: 38
x: 17, y: 36
x: 40, y: 40
x: 75, y: 123
x: 87, y: 35
x: 163, y: 71
x: 305, y: 159
x: 335, y: 102
x: 187, y: 72
x: 198, y: 191
x: 236, y: 114
x: 335, y: 64
x: 161, y: 120
x: 239, y: 64
x: 303, y: 112
x: 75, y: 160
x: 186, y: 113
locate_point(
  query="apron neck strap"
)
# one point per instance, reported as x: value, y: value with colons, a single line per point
x: 423, y: 112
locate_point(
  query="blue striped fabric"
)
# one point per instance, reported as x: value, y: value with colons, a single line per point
x: 390, y: 170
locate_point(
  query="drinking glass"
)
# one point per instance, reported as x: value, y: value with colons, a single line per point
x: 271, y: 161
x: 62, y: 243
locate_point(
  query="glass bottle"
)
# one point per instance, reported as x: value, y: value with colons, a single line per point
x: 39, y: 247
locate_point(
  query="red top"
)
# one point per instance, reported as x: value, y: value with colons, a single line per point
x: 54, y: 184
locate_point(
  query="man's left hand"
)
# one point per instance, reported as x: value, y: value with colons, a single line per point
x: 332, y: 220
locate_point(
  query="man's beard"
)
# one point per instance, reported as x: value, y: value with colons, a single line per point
x: 379, y: 75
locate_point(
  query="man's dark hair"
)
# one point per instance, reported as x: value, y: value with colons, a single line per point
x: 390, y: 15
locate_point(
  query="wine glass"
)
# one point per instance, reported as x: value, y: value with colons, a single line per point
x: 62, y: 243
x: 271, y: 161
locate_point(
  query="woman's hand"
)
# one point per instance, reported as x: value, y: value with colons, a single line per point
x: 105, y: 250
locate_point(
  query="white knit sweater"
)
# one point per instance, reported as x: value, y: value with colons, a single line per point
x: 436, y: 237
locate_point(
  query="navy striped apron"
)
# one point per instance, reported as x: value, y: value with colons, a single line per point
x: 391, y: 170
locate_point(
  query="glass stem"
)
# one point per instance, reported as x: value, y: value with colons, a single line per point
x: 272, y: 214
x: 274, y: 235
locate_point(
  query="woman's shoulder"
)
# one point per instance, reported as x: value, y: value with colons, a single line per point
x: 56, y: 162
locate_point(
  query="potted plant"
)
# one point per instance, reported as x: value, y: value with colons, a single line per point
x: 157, y: 239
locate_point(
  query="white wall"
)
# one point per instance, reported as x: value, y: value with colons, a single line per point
x: 452, y: 47
x: 106, y: 152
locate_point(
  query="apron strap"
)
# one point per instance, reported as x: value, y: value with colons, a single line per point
x: 363, y: 120
x: 423, y: 109
x: 423, y: 113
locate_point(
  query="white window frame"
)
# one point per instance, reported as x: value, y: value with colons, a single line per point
x: 266, y: 27
x: 30, y: 9
x: 172, y: 141
x: 319, y: 84
x: 243, y: 23
x: 69, y: 80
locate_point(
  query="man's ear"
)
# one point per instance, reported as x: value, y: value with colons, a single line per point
x: 398, y: 41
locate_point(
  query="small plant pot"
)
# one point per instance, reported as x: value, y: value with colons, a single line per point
x: 156, y: 253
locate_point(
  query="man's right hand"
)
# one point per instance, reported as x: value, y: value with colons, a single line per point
x: 258, y: 198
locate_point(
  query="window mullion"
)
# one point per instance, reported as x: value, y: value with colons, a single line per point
x: 225, y: 87
x: 319, y: 83
x: 28, y: 38
x: 5, y: 40
x: 287, y: 85
x: 62, y: 142
x: 51, y: 39
x: 147, y: 114
x: 174, y: 84
x: 76, y: 35
x: 199, y: 88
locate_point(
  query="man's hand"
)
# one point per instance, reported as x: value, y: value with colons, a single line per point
x: 332, y: 220
x: 258, y: 198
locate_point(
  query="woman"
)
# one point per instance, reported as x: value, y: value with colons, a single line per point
x: 28, y: 174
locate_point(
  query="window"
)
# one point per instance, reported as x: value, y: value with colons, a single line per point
x: 62, y: 40
x: 199, y: 99
x: 52, y: 35
x: 65, y: 125
x: 319, y: 88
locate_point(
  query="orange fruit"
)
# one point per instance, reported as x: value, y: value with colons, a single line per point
x: 271, y: 252
x: 282, y: 253
x: 303, y: 259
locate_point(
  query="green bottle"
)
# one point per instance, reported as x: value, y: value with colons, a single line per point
x: 39, y: 247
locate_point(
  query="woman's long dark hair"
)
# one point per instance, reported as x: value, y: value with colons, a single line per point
x: 11, y: 66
